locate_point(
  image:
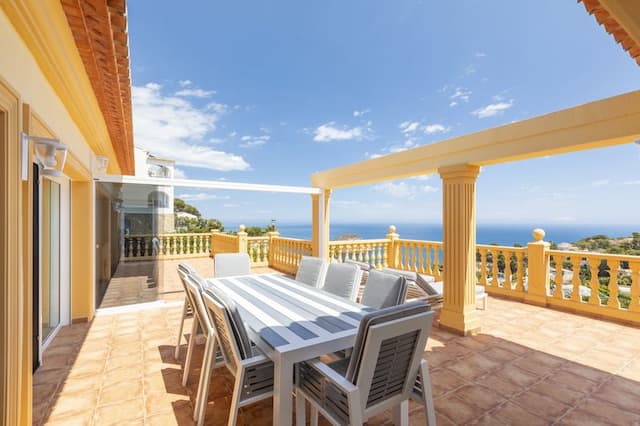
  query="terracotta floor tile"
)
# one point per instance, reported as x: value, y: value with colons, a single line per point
x: 78, y: 419
x: 73, y: 403
x: 119, y: 392
x: 458, y: 410
x: 558, y: 392
x: 513, y: 414
x: 473, y: 367
x: 607, y: 411
x: 540, y: 405
x: 480, y: 396
x: 443, y: 381
x: 517, y: 376
x: 120, y: 412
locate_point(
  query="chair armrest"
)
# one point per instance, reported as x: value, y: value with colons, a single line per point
x: 332, y: 375
x: 255, y: 360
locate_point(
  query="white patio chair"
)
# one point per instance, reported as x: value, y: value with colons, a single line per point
x: 343, y: 280
x: 252, y: 370
x: 195, y: 287
x: 383, y: 290
x: 187, y: 310
x: 201, y: 318
x: 312, y: 271
x: 385, y: 370
x: 230, y: 264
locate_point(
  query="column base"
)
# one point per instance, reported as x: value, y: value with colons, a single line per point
x: 459, y: 323
x: 534, y: 299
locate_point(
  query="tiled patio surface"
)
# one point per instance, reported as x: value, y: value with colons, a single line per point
x: 150, y: 281
x: 529, y: 366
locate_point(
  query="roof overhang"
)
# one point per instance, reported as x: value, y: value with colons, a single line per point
x: 606, y: 122
x: 621, y: 19
x: 99, y: 29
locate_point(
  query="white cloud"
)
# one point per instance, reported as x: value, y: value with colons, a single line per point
x: 403, y: 189
x: 195, y: 93
x: 329, y: 132
x: 409, y: 126
x: 460, y: 94
x: 492, y: 109
x: 179, y: 173
x: 480, y: 54
x: 172, y: 127
x: 599, y: 183
x: 185, y: 83
x: 632, y: 182
x: 360, y: 113
x: 201, y: 196
x: 252, y: 141
x: 230, y: 205
x: 431, y: 129
x: 470, y: 69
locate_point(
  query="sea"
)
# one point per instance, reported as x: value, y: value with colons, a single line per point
x: 506, y: 235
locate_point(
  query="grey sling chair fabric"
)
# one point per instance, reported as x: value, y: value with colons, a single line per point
x: 187, y: 309
x: 343, y: 280
x: 253, y: 371
x: 386, y: 369
x: 384, y: 290
x: 312, y: 271
x: 231, y: 264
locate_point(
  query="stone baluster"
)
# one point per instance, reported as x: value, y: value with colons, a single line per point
x: 394, y: 249
x: 613, y: 302
x: 594, y: 283
x: 495, y: 255
x: 559, y: 281
x: 520, y: 270
x: 575, y: 294
x: 507, y: 269
x: 634, y: 267
x: 483, y: 266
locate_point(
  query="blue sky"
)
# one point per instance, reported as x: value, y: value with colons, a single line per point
x: 270, y: 92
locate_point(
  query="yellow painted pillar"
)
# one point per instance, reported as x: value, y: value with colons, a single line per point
x: 459, y: 222
x: 243, y: 246
x: 272, y: 235
x: 538, y: 269
x: 320, y: 223
x: 393, y: 256
x: 82, y: 251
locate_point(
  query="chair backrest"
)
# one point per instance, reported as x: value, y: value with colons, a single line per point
x: 343, y: 280
x: 230, y: 264
x: 312, y: 271
x: 186, y: 268
x: 387, y: 353
x: 230, y: 332
x: 384, y: 290
x: 193, y: 288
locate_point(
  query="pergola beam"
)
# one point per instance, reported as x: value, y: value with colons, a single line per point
x: 602, y: 123
x: 209, y: 184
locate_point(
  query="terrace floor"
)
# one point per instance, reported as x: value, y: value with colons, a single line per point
x: 529, y: 366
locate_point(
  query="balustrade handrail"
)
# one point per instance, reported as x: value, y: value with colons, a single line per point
x: 594, y: 255
x: 363, y: 241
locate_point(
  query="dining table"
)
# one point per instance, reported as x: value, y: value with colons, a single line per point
x: 291, y: 322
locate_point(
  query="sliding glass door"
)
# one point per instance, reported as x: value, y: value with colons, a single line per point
x: 50, y: 251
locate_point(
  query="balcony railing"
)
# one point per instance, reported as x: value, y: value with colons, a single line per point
x: 571, y: 277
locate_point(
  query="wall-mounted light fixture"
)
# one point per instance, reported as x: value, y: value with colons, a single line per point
x: 50, y: 155
x: 100, y: 165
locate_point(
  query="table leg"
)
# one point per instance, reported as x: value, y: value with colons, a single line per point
x: 282, y: 389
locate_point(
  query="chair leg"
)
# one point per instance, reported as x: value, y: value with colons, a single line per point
x: 235, y: 401
x: 301, y: 415
x: 192, y: 343
x: 184, y: 314
x: 427, y: 394
x: 401, y: 414
x: 202, y: 395
x: 314, y: 416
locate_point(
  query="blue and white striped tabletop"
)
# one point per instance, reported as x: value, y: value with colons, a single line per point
x: 288, y: 314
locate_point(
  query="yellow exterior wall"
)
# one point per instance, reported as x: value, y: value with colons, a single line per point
x: 30, y: 102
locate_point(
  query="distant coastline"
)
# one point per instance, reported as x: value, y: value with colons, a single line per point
x: 507, y: 235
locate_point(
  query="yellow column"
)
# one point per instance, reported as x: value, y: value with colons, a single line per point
x: 393, y: 256
x: 459, y: 222
x: 214, y: 232
x: 320, y: 223
x: 242, y: 240
x: 271, y: 235
x: 538, y: 269
x: 82, y: 251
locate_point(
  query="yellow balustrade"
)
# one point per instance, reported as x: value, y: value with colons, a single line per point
x: 373, y: 252
x: 502, y: 269
x: 423, y: 257
x: 258, y: 249
x: 606, y: 285
x: 223, y: 243
x: 166, y: 246
x: 285, y: 253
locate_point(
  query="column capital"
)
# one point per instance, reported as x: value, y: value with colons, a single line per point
x: 460, y: 172
x: 327, y: 193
